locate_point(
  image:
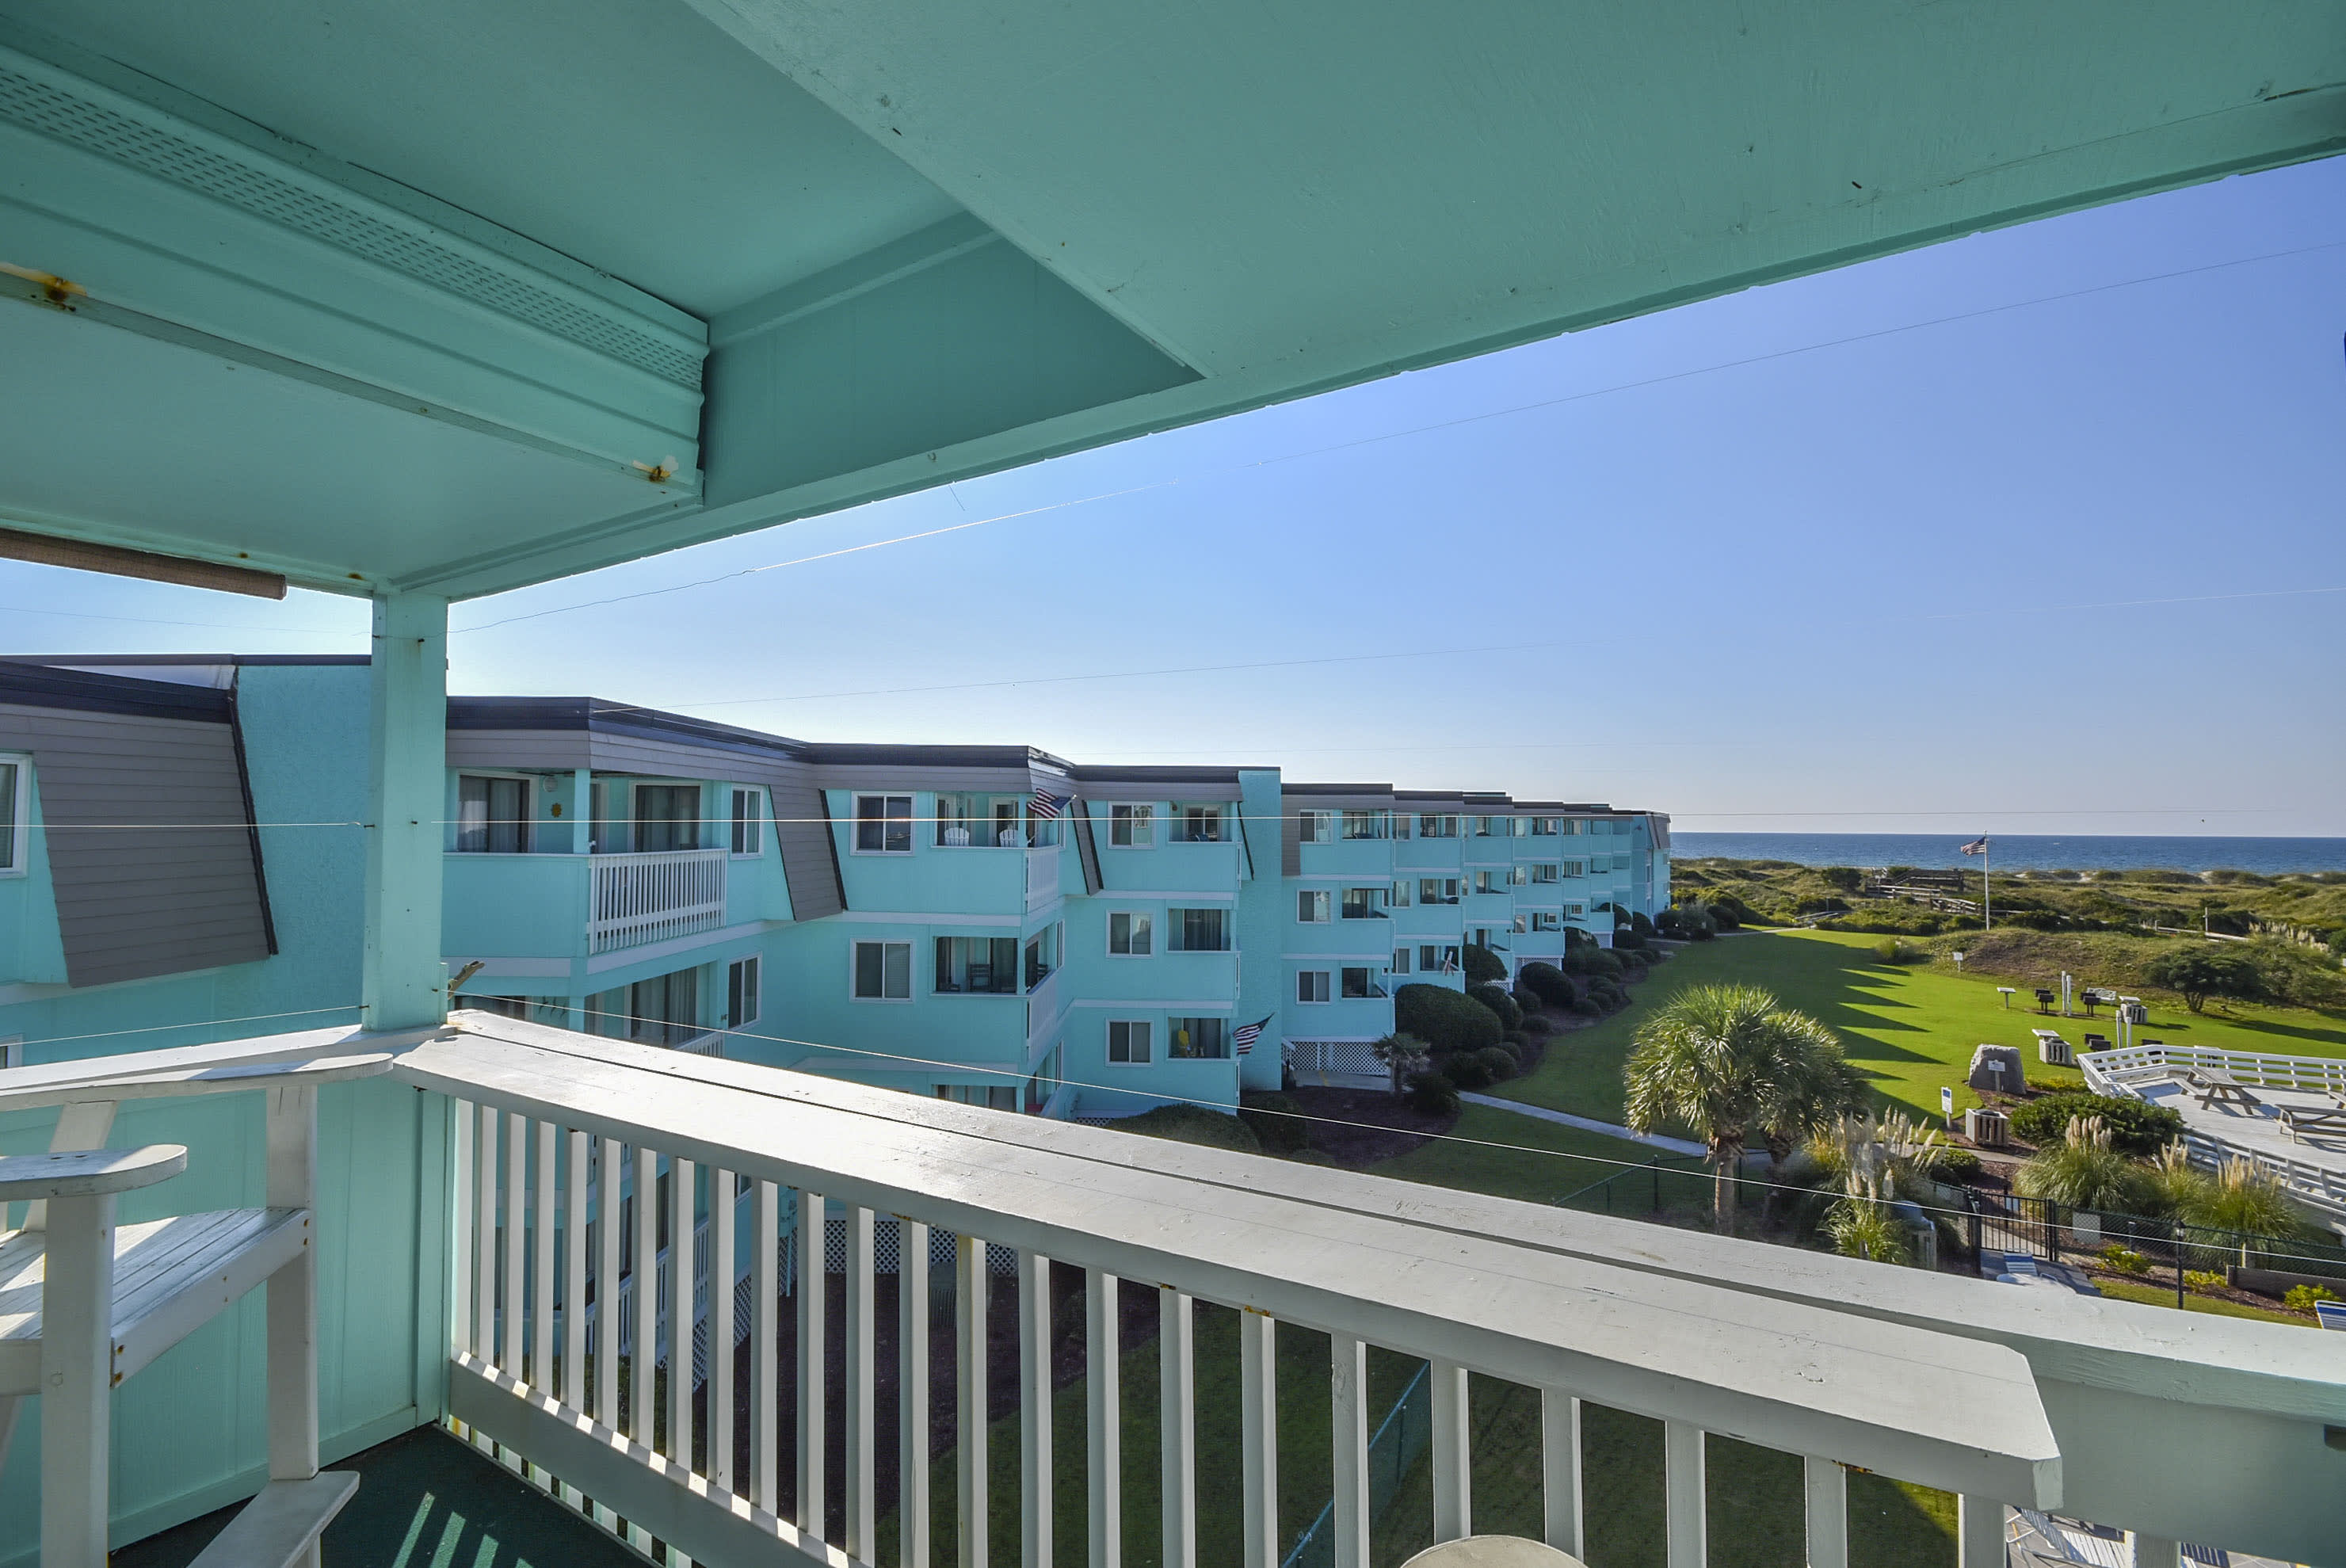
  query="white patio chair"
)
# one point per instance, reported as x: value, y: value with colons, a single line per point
x: 85, y: 1303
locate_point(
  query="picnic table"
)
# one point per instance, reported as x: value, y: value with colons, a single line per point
x: 2213, y: 1089
x: 2297, y: 1121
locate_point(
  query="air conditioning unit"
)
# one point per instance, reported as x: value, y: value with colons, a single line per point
x: 1990, y: 1129
x: 2055, y: 1051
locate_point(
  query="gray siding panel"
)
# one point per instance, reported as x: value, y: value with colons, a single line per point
x: 150, y: 848
x: 1087, y: 847
x: 809, y: 853
x: 1291, y: 843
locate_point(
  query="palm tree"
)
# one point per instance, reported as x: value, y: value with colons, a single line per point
x: 1733, y: 1064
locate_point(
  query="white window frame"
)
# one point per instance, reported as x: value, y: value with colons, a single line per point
x: 1403, y: 894
x: 1139, y: 821
x: 1311, y: 979
x: 1313, y: 906
x: 529, y: 783
x: 755, y: 837
x: 1545, y: 872
x: 883, y: 943
x: 12, y: 1051
x: 745, y: 984
x: 1376, y: 911
x: 1401, y: 961
x: 1220, y: 811
x: 1379, y: 823
x: 1444, y: 825
x: 1369, y: 992
x: 1519, y: 876
x: 1147, y: 1046
x: 1317, y: 827
x: 855, y: 821
x: 1149, y: 933
x: 19, y: 826
x: 1544, y: 827
x: 1173, y: 924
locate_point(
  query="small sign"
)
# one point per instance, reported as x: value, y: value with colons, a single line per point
x: 1947, y: 1106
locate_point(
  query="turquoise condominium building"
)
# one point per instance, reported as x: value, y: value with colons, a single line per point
x: 184, y: 856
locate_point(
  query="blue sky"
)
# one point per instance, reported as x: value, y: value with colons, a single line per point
x: 2027, y: 532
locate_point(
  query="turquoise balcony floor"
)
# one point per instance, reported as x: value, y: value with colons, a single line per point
x: 425, y: 1501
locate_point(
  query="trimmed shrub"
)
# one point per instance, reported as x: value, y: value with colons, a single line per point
x: 1277, y: 1134
x: 1496, y: 998
x: 1193, y: 1125
x: 1550, y: 984
x: 2136, y: 1127
x: 1590, y: 961
x: 1484, y: 967
x: 1433, y: 1095
x: 1951, y: 1164
x: 1624, y: 939
x: 2123, y: 1259
x: 2302, y: 1298
x: 1535, y: 1026
x: 1588, y: 1007
x: 2203, y: 1280
x: 1641, y: 926
x: 1467, y: 1070
x: 1446, y: 1020
x: 1499, y: 1062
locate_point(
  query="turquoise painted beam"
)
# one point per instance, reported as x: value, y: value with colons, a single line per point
x: 404, y: 982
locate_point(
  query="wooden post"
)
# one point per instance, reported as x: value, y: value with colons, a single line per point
x: 1177, y: 1413
x: 76, y: 1376
x: 1104, y: 1428
x: 1827, y: 1485
x: 969, y: 1413
x: 1560, y: 1470
x: 1687, y: 1514
x: 1349, y: 1428
x: 1259, y: 1435
x: 1453, y: 1497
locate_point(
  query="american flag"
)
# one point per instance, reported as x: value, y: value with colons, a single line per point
x: 1243, y: 1037
x: 1046, y: 805
x: 1976, y: 847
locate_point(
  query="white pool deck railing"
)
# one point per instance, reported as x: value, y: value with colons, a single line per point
x: 2311, y: 1167
x: 2100, y: 1410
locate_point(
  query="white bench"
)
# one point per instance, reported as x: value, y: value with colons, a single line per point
x: 85, y: 1303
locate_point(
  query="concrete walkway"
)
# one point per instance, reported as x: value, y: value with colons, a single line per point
x: 1588, y: 1124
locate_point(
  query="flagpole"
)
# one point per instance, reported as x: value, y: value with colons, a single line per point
x: 1988, y: 897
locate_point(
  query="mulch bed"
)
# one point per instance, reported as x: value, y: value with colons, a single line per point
x: 1393, y: 1127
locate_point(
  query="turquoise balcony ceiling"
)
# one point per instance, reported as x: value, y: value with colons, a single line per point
x: 454, y: 298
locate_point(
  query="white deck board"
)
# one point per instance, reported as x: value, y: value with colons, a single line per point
x: 170, y: 1275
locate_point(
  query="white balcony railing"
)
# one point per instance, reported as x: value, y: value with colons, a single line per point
x: 1964, y: 1385
x: 2008, y: 1398
x: 636, y: 899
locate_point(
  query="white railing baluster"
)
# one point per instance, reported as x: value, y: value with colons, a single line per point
x: 651, y: 897
x: 811, y: 1289
x: 1177, y: 1439
x: 485, y: 1236
x: 913, y: 1386
x: 969, y: 1410
x: 1035, y: 1409
x: 1979, y: 1532
x: 680, y: 1228
x: 724, y: 1193
x: 1560, y: 1471
x: 765, y: 1292
x: 644, y: 1359
x: 1686, y: 1516
x: 541, y: 1306
x: 1453, y: 1481
x: 609, y: 1178
x: 1827, y: 1486
x: 1103, y: 1429
x: 862, y: 1498
x: 1348, y: 1398
x: 1259, y: 1435
x: 509, y: 1339
x: 574, y: 1277
x: 460, y: 1230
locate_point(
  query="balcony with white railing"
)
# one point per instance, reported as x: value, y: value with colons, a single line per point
x: 2009, y: 1399
x: 654, y: 897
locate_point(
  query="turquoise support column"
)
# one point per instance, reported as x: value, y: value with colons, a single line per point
x: 405, y: 981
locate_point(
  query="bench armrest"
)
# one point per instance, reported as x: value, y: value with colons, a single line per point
x: 86, y: 1173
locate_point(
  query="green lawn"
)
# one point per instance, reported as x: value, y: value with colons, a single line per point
x: 2164, y: 1296
x: 1911, y: 1027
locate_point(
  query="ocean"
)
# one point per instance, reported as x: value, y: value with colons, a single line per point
x: 2021, y: 853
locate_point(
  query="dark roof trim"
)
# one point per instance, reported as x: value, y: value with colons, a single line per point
x: 39, y: 686
x: 596, y: 716
x: 167, y: 660
x: 1087, y: 772
x: 1287, y: 788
